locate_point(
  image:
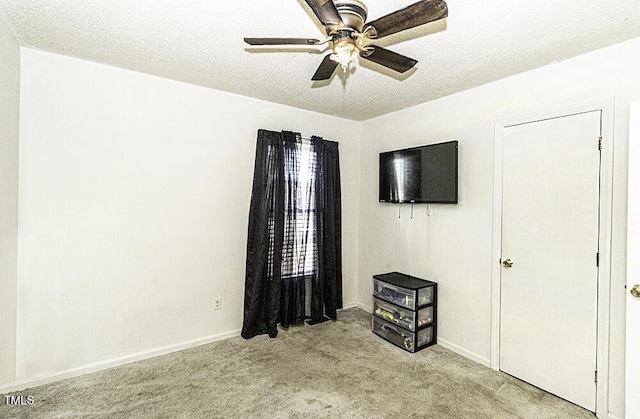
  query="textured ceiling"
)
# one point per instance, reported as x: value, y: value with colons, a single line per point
x: 201, y: 42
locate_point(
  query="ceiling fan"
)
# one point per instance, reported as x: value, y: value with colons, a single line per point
x: 344, y: 22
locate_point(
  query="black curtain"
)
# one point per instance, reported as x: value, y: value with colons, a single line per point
x: 326, y: 292
x: 265, y: 236
x: 293, y: 291
x: 282, y: 213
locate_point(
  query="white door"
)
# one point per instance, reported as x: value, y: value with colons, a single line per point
x: 548, y: 313
x: 633, y: 269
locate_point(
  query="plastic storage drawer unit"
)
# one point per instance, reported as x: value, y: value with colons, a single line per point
x: 405, y: 310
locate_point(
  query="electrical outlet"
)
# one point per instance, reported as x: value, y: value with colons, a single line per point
x: 217, y: 303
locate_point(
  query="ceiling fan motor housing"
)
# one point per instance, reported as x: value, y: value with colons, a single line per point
x: 353, y: 13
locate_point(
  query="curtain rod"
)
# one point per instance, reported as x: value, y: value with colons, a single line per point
x: 307, y: 140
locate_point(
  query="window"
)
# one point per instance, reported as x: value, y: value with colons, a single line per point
x: 299, y: 253
x: 299, y: 247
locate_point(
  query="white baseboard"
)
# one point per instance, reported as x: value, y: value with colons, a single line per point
x: 461, y: 351
x: 610, y: 416
x: 442, y: 342
x: 115, y: 362
x: 359, y: 305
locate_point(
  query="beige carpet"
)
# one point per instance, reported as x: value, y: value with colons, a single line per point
x: 336, y: 369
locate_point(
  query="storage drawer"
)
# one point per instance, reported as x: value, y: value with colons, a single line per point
x: 403, y: 317
x: 409, y: 341
x: 406, y: 297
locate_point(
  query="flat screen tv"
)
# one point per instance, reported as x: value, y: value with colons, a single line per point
x: 426, y: 174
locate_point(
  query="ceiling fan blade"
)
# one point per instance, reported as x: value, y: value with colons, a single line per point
x: 326, y: 12
x: 415, y: 15
x: 326, y: 69
x: 389, y: 59
x: 281, y: 41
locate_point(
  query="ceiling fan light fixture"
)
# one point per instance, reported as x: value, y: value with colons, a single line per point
x: 344, y: 49
x: 344, y: 55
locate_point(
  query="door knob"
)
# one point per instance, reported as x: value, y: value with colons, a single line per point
x: 635, y: 291
x: 507, y: 263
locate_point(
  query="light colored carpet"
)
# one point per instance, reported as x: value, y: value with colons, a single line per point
x: 335, y: 369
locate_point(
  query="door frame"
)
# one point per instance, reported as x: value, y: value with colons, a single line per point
x: 606, y: 107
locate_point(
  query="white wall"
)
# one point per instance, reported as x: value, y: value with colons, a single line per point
x: 453, y: 245
x: 9, y: 111
x: 134, y: 200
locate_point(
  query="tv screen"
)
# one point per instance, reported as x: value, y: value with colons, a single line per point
x: 426, y: 174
